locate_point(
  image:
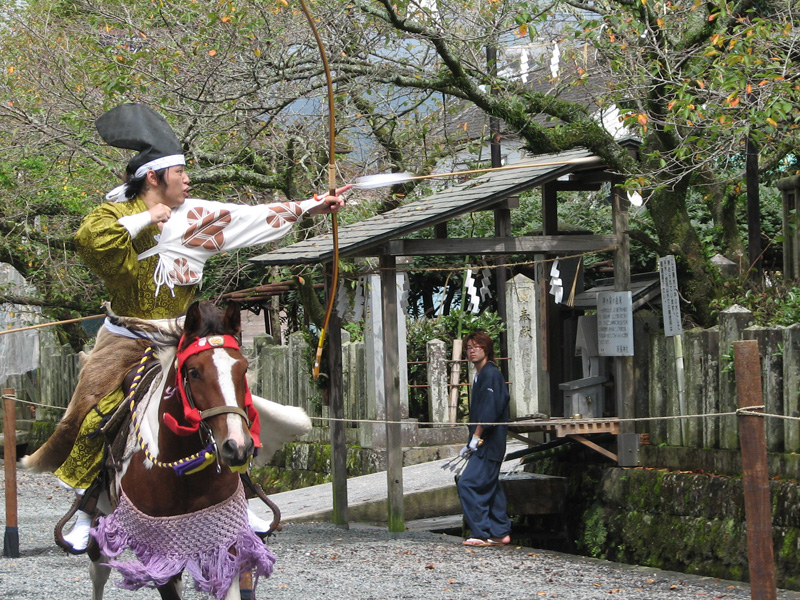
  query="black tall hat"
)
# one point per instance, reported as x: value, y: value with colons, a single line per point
x: 138, y: 127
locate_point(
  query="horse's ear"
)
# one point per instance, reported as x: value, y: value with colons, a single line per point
x: 233, y: 318
x: 193, y: 320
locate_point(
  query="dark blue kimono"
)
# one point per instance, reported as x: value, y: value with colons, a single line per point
x: 482, y: 498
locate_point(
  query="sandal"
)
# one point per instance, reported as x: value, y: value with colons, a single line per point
x: 481, y: 543
x: 503, y: 541
x: 476, y: 542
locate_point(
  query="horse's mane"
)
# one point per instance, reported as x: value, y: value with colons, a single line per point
x: 161, y: 333
x: 202, y: 319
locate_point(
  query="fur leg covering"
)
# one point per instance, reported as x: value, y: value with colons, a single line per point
x: 102, y: 372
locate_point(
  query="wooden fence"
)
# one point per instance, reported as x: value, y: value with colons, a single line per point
x: 282, y: 374
x: 710, y: 386
x: 50, y: 385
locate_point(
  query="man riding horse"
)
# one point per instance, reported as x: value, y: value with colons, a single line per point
x: 148, y: 244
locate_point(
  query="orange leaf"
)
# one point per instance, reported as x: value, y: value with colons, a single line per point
x: 735, y: 102
x: 212, y: 53
x: 642, y: 119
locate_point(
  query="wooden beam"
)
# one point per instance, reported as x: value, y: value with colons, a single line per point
x: 593, y: 446
x: 336, y: 403
x: 577, y: 186
x: 549, y: 209
x: 391, y: 388
x: 502, y: 229
x: 755, y: 474
x: 561, y: 244
x: 11, y: 537
x: 624, y: 384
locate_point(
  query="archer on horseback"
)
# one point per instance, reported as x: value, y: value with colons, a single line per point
x: 150, y: 235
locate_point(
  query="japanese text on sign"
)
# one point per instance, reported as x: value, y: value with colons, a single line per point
x: 615, y: 324
x: 670, y: 300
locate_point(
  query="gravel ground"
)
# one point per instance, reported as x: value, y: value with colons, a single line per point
x: 319, y: 560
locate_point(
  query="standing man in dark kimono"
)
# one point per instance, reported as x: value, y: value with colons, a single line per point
x: 482, y: 498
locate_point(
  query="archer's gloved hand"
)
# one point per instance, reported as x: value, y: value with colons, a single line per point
x: 465, y: 452
x: 474, y: 443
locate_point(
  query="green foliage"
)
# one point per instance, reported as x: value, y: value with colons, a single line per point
x: 455, y: 325
x: 775, y: 304
x: 595, y: 533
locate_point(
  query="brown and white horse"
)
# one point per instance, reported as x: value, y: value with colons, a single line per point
x: 178, y: 497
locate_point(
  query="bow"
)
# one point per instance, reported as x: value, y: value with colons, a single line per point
x: 331, y: 186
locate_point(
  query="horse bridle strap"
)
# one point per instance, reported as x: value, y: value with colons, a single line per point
x: 192, y: 416
x: 222, y: 410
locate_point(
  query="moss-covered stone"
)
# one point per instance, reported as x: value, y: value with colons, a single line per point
x: 39, y: 433
x: 670, y: 519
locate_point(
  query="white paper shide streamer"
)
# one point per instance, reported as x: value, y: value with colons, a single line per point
x: 556, y: 285
x: 486, y: 279
x: 472, y: 293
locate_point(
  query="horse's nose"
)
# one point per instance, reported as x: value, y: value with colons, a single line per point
x: 235, y: 454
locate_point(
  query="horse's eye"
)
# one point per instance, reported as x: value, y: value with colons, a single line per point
x: 194, y: 374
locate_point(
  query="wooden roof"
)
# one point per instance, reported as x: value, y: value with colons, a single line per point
x: 479, y: 193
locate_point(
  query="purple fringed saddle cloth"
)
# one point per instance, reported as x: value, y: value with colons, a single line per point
x: 197, y: 542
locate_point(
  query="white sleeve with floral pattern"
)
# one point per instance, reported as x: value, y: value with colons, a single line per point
x: 198, y: 229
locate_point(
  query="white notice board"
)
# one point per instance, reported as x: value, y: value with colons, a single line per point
x: 670, y: 300
x: 615, y: 323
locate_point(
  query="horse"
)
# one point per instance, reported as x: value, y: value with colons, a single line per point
x: 177, y: 494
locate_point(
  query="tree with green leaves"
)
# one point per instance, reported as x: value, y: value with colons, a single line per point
x: 241, y: 83
x: 691, y: 80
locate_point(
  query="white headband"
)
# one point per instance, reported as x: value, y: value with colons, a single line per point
x: 118, y: 193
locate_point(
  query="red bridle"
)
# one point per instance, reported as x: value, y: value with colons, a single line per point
x: 191, y: 414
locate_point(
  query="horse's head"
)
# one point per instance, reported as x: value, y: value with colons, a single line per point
x: 212, y: 380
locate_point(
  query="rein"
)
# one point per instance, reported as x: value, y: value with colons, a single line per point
x: 195, y: 462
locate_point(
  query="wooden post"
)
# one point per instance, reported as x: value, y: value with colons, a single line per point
x: 337, y: 429
x: 623, y: 365
x: 391, y: 388
x: 755, y: 477
x: 11, y: 537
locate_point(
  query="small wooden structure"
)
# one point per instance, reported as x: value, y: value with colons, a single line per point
x: 382, y: 236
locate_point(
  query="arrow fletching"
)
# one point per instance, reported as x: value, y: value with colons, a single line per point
x: 370, y: 182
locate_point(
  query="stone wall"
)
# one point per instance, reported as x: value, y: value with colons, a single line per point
x: 668, y: 519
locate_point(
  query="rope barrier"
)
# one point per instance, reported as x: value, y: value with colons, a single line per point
x: 21, y: 401
x: 747, y: 410
x: 742, y: 411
